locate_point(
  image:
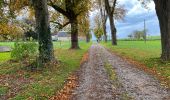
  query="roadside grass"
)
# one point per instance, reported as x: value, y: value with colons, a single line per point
x: 4, y: 56
x: 46, y: 83
x: 147, y: 54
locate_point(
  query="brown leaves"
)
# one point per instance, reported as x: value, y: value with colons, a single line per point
x: 153, y: 71
x: 85, y: 58
x: 65, y: 93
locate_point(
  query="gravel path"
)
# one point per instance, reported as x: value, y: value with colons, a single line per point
x: 94, y: 83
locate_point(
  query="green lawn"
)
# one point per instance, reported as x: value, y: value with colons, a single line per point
x: 5, y: 56
x: 43, y: 84
x: 60, y: 45
x: 10, y: 44
x: 147, y: 54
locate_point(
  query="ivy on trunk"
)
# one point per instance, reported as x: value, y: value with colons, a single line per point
x: 46, y: 53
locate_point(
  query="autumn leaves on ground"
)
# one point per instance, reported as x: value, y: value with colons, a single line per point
x: 81, y: 72
x: 39, y: 63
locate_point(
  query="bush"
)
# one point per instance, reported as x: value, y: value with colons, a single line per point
x: 24, y: 50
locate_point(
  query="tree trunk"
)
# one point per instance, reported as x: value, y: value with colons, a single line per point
x: 113, y: 30
x: 163, y: 13
x: 110, y: 11
x: 46, y: 53
x: 104, y: 30
x: 74, y: 34
x: 88, y: 37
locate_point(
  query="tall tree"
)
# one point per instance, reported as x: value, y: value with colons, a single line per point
x: 46, y: 53
x: 163, y: 12
x: 162, y: 8
x: 72, y: 9
x: 98, y: 30
x: 84, y: 27
x: 110, y: 9
x: 103, y: 17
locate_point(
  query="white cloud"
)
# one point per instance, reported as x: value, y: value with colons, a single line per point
x: 136, y: 13
x: 134, y: 7
x: 136, y: 10
x: 124, y: 2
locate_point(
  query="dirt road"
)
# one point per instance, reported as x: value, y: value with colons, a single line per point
x: 94, y: 83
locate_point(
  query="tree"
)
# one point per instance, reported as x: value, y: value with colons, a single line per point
x: 163, y: 13
x: 10, y: 31
x: 84, y: 26
x: 130, y: 36
x: 114, y: 12
x: 110, y: 11
x: 138, y: 34
x: 162, y: 8
x: 72, y: 9
x: 101, y: 7
x: 46, y: 53
x: 98, y: 30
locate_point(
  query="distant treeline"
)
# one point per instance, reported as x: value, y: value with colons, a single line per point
x: 149, y: 38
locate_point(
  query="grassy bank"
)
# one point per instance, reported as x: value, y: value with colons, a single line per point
x: 147, y: 54
x: 42, y: 84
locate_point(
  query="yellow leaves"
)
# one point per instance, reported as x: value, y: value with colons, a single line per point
x: 11, y: 30
x: 18, y: 4
x: 4, y: 28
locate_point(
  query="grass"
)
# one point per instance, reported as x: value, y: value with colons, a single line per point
x: 148, y: 54
x: 5, y: 56
x: 3, y: 90
x: 43, y: 84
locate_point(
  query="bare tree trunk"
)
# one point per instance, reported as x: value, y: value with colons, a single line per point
x: 88, y: 37
x: 74, y: 34
x: 113, y: 30
x: 46, y: 53
x: 163, y: 13
x: 110, y: 11
x: 104, y: 30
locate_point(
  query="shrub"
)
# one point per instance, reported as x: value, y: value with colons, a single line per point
x: 24, y: 50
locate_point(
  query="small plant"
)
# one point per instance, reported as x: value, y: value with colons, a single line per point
x: 24, y: 50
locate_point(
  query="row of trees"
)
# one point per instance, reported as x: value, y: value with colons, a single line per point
x: 108, y: 10
x: 138, y: 34
x: 162, y: 8
x: 72, y: 10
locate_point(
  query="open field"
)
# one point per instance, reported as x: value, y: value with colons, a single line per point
x: 147, y: 54
x: 18, y: 83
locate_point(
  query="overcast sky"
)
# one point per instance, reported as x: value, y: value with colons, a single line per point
x: 134, y: 19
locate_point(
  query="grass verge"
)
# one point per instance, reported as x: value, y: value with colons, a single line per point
x: 40, y: 85
x: 147, y: 56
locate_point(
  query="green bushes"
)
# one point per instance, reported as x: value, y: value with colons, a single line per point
x: 24, y: 50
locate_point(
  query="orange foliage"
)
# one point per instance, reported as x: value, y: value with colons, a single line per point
x: 10, y: 30
x: 85, y: 58
x: 65, y: 93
